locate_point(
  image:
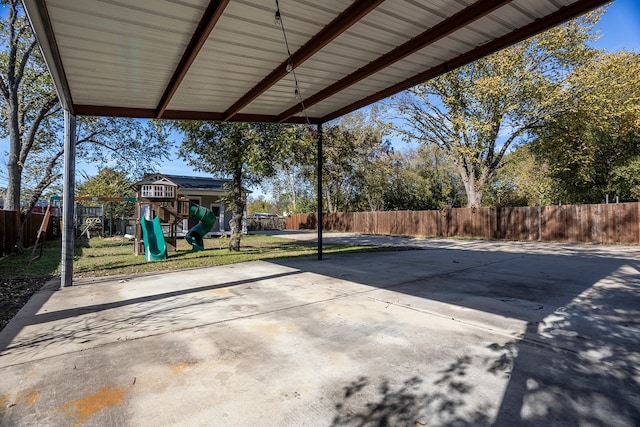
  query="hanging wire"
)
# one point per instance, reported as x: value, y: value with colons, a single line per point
x: 290, y: 65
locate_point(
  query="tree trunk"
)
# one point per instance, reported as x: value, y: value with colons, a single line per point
x: 12, y: 198
x: 237, y: 212
x: 14, y: 169
x: 292, y: 189
x: 474, y: 188
x: 474, y: 197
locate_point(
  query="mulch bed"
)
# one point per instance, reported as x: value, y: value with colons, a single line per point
x: 14, y: 293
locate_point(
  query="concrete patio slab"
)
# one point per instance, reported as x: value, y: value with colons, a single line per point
x: 451, y: 333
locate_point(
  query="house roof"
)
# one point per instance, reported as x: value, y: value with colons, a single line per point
x: 182, y: 182
x: 227, y: 59
x: 197, y: 183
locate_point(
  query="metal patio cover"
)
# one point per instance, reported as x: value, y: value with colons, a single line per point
x: 227, y: 60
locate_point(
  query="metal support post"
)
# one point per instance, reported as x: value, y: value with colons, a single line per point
x: 68, y: 194
x: 319, y: 167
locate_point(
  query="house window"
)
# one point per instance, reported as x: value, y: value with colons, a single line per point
x: 159, y: 191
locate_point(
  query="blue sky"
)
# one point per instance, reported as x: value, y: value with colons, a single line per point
x: 619, y: 29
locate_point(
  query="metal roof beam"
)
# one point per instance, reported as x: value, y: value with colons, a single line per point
x: 562, y: 15
x: 149, y: 113
x: 339, y: 25
x: 435, y: 33
x: 207, y: 23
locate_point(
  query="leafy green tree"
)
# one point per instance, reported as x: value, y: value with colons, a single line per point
x: 522, y: 180
x: 355, y: 159
x: 592, y: 144
x: 422, y: 179
x: 258, y: 205
x: 476, y: 112
x: 244, y: 152
x: 123, y: 144
x: 109, y: 182
x: 353, y: 147
x: 291, y: 187
x: 372, y: 185
x: 625, y: 179
x: 27, y: 96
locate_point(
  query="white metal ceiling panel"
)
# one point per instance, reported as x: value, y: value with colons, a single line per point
x: 116, y: 53
x: 246, y: 45
x: 225, y: 58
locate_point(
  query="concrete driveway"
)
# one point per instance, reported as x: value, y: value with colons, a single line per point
x: 454, y: 333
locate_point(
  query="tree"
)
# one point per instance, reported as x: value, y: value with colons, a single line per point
x: 245, y: 152
x: 476, y: 112
x: 258, y: 205
x: 355, y: 160
x: 109, y: 182
x: 291, y: 187
x: 352, y: 148
x: 522, y: 180
x: 592, y: 144
x: 422, y: 179
x: 123, y: 144
x: 27, y: 96
x: 31, y: 118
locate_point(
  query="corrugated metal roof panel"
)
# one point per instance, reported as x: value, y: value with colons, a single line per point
x: 118, y: 53
x: 226, y: 57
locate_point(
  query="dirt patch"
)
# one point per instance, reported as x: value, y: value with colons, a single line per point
x: 14, y: 293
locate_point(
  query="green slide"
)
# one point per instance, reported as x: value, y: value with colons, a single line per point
x: 155, y: 248
x: 197, y: 232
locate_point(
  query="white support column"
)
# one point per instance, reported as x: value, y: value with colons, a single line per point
x: 221, y: 218
x: 68, y: 191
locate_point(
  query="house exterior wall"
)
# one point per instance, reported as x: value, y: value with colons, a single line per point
x: 211, y: 202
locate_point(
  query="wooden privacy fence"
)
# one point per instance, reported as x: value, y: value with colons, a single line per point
x: 9, y: 231
x: 605, y: 223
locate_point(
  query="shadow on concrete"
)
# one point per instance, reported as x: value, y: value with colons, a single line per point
x: 575, y: 363
x: 139, y: 318
x: 407, y: 404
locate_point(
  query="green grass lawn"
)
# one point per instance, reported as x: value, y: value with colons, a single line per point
x: 114, y: 256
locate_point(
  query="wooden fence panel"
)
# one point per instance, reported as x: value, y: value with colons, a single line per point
x: 383, y: 224
x: 549, y: 223
x: 9, y: 231
x: 583, y: 224
x: 484, y: 223
x: 625, y: 227
x: 508, y: 219
x: 633, y: 219
x: 608, y: 223
x: 626, y: 222
x: 371, y: 225
x: 594, y: 223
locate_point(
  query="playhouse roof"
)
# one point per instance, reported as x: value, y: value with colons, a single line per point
x: 197, y: 182
x: 154, y: 179
x: 182, y: 182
